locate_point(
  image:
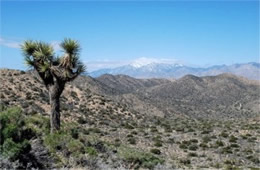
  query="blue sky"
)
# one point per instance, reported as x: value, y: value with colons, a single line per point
x: 198, y: 33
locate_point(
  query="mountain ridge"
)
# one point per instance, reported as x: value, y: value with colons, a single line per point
x: 249, y: 70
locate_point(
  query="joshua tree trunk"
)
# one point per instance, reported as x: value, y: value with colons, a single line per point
x: 55, y: 91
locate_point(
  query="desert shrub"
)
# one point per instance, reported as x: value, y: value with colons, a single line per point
x: 183, y: 146
x: 194, y: 140
x: 134, y: 132
x: 75, y: 147
x: 219, y: 143
x: 74, y: 133
x: 234, y: 145
x: 129, y: 136
x: 153, y: 129
x: 39, y: 124
x: 191, y: 130
x: 206, y: 131
x: 95, y: 130
x: 193, y: 154
x: 132, y: 141
x: 14, y: 134
x: 13, y: 150
x: 203, y: 145
x: 2, y: 106
x: 57, y: 141
x: 185, y: 161
x: 91, y: 151
x: 254, y: 159
x: 139, y: 158
x: 193, y: 147
x: 155, y: 151
x: 229, y: 162
x: 252, y: 139
x: 179, y: 129
x: 232, y: 139
x: 244, y: 137
x: 224, y: 134
x: 227, y: 149
x: 171, y: 140
x: 128, y: 126
x: 206, y: 139
x: 82, y: 120
x: 117, y: 142
x: 158, y: 143
x: 167, y: 128
x: 248, y: 150
x: 74, y: 94
x: 232, y: 167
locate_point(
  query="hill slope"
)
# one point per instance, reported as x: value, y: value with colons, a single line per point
x: 116, y: 130
x: 206, y: 97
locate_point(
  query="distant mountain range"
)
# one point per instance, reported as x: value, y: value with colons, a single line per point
x: 162, y: 70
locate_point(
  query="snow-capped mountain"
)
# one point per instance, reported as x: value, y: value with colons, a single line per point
x: 174, y: 70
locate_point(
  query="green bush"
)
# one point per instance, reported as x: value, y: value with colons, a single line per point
x: 219, y: 143
x: 91, y: 151
x: 158, y: 143
x: 95, y: 130
x: 183, y: 146
x: 193, y: 154
x: 75, y: 146
x: 13, y: 150
x: 185, y: 161
x: 194, y: 140
x: 74, y: 133
x: 193, y: 147
x: 57, y: 141
x: 132, y: 140
x: 227, y: 149
x: 39, y: 124
x: 14, y: 134
x: 134, y: 132
x: 224, y: 134
x: 203, y: 145
x: 206, y: 139
x: 128, y: 126
x: 139, y: 158
x: 232, y: 139
x: 234, y: 145
x: 254, y: 159
x: 155, y: 151
x: 10, y: 119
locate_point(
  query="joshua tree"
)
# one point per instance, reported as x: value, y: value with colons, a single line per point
x: 55, y: 72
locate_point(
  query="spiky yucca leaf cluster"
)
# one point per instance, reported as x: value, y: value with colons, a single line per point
x: 40, y: 56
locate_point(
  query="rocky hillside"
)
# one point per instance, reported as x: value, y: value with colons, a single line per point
x: 217, y: 97
x: 213, y: 97
x: 118, y: 122
x: 127, y: 84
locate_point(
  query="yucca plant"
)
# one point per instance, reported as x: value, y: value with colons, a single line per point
x: 55, y: 72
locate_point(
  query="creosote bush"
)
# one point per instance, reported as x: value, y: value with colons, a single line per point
x: 155, y: 151
x: 14, y: 134
x: 139, y: 158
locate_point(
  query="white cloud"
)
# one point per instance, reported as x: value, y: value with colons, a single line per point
x: 16, y: 44
x: 9, y: 43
